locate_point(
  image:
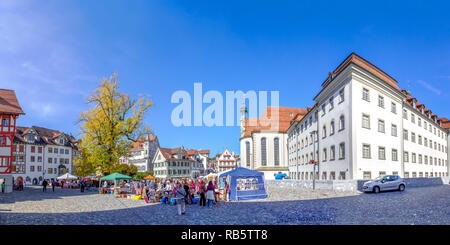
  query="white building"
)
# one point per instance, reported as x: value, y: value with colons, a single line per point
x: 362, y: 126
x: 142, y: 153
x: 226, y: 161
x: 263, y: 140
x: 41, y: 153
x: 200, y: 156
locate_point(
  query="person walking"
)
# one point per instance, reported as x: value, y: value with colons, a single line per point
x: 210, y: 194
x: 21, y: 185
x: 202, y: 191
x: 82, y: 186
x: 53, y: 185
x: 180, y: 196
x: 187, y: 198
x: 44, y: 185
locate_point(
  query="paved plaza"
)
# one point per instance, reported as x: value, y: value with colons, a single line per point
x: 428, y: 205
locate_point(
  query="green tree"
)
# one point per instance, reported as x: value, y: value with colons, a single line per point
x: 108, y: 127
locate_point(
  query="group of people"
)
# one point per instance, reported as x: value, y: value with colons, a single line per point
x: 173, y: 191
x: 53, y: 183
x: 184, y: 191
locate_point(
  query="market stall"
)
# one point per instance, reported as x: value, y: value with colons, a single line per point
x: 116, y: 177
x: 149, y: 177
x: 244, y: 184
x: 67, y: 178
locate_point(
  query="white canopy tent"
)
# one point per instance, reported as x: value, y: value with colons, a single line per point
x: 67, y: 176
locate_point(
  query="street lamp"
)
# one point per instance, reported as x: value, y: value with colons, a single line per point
x: 313, y: 134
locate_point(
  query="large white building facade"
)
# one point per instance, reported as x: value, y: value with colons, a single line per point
x: 363, y: 125
x: 41, y: 153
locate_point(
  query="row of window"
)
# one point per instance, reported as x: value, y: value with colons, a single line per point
x: 173, y: 164
x: 306, y: 159
x: 366, y: 97
x: 38, y: 149
x: 366, y: 153
x: 304, y: 142
x: 325, y: 175
x: 431, y: 128
x: 39, y: 159
x: 340, y: 98
x: 381, y: 129
x: 172, y: 172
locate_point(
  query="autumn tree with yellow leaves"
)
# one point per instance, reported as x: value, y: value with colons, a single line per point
x: 107, y: 129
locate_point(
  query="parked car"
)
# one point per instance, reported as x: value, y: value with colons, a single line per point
x: 385, y: 183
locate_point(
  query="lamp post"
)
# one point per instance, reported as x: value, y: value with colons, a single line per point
x: 313, y: 134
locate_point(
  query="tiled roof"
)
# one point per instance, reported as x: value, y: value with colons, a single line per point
x: 267, y: 123
x: 169, y: 154
x: 46, y: 136
x: 356, y: 59
x: 192, y: 152
x: 9, y: 103
x: 445, y: 122
x: 140, y: 141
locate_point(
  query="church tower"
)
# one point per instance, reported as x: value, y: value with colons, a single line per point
x: 243, y: 117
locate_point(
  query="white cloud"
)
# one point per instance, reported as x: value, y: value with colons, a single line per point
x: 429, y: 87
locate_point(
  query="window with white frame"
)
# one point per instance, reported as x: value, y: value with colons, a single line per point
x: 394, y: 155
x: 366, y: 151
x: 331, y: 102
x: 394, y: 108
x: 380, y: 101
x: 394, y: 130
x: 366, y: 121
x: 341, y: 95
x: 381, y: 126
x: 381, y: 153
x: 332, y: 153
x: 365, y: 94
x: 341, y: 123
x: 342, y: 151
x: 332, y: 127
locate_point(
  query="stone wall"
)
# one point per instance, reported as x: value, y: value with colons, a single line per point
x: 350, y: 185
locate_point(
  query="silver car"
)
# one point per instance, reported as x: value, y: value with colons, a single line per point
x: 385, y: 183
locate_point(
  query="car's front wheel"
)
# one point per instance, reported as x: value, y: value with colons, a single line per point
x: 376, y: 189
x: 401, y: 188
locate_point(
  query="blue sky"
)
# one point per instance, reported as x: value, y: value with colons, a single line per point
x: 54, y: 53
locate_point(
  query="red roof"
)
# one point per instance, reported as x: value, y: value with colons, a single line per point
x: 356, y: 59
x: 192, y: 152
x: 9, y: 103
x: 268, y: 123
x: 169, y: 154
x: 445, y: 122
x: 138, y: 145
